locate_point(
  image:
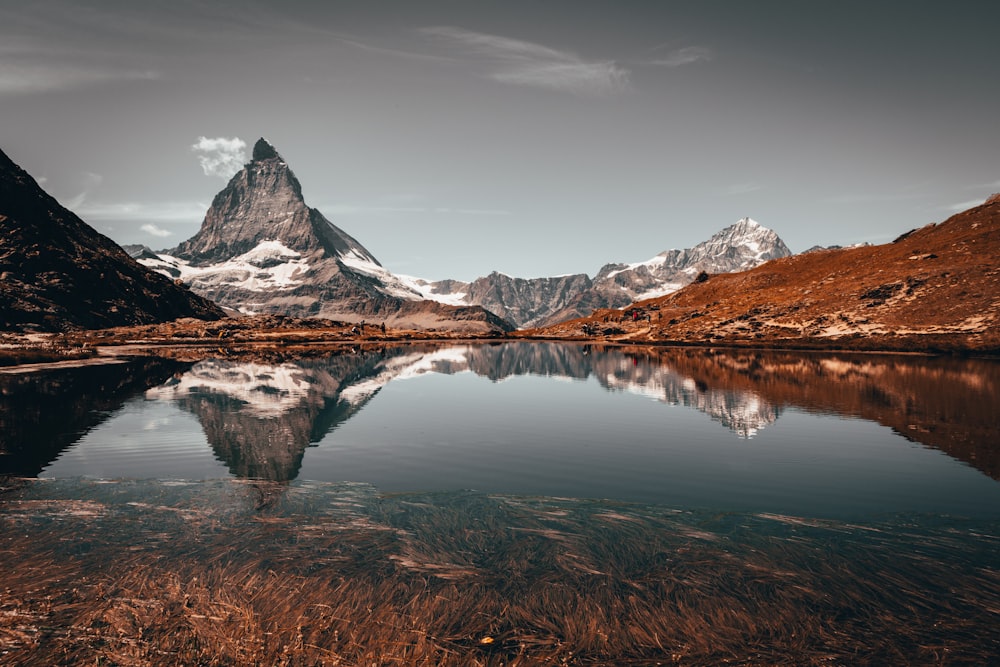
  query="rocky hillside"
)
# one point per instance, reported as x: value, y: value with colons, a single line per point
x: 57, y: 272
x: 937, y: 287
x: 261, y: 249
x: 535, y: 302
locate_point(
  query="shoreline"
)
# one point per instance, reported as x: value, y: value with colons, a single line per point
x: 46, y: 352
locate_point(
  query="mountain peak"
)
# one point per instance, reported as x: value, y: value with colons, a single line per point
x: 263, y: 150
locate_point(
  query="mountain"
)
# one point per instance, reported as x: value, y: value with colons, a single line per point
x: 57, y: 272
x: 933, y: 288
x: 259, y: 418
x: 261, y: 249
x: 534, y: 302
x: 523, y: 301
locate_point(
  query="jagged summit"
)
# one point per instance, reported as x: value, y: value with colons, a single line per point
x: 263, y: 150
x: 262, y: 249
x: 263, y: 203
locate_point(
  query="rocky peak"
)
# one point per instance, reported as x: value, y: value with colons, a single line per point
x: 748, y: 238
x: 262, y: 150
x: 262, y: 202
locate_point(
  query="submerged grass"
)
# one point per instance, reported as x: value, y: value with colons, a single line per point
x: 240, y: 573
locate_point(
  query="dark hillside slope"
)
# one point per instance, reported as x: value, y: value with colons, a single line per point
x: 57, y: 272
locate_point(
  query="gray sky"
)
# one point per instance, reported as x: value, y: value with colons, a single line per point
x: 532, y: 138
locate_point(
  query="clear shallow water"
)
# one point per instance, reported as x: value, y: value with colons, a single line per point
x: 806, y: 435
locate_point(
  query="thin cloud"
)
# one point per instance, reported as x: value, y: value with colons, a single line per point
x: 863, y: 198
x: 517, y: 62
x: 90, y: 182
x: 685, y: 56
x: 151, y: 211
x: 220, y: 156
x: 150, y: 228
x: 354, y: 209
x: 26, y: 79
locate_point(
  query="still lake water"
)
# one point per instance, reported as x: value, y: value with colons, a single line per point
x: 836, y: 436
x: 512, y: 503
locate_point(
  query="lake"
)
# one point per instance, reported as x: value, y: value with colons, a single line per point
x: 572, y: 502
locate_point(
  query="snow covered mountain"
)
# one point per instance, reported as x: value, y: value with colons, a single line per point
x: 530, y: 302
x: 261, y: 249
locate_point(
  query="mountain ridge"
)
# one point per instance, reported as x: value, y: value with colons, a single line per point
x: 58, y: 272
x: 933, y: 288
x: 537, y: 302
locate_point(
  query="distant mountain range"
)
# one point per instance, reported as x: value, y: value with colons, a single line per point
x: 261, y: 249
x: 532, y: 302
x: 936, y: 288
x: 57, y: 272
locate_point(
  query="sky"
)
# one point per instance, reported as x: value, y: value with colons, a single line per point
x: 453, y: 139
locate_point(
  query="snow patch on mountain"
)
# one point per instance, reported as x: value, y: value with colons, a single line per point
x: 270, y: 265
x: 432, y: 291
x: 451, y: 360
x: 391, y: 283
x: 264, y: 390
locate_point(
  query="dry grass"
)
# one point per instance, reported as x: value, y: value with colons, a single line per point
x: 240, y: 573
x: 19, y: 355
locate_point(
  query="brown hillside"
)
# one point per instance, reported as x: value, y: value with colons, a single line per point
x: 935, y: 288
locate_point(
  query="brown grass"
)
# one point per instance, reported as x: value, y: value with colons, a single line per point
x: 239, y: 573
x: 16, y: 356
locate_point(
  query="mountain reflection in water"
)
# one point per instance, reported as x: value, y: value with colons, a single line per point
x: 259, y: 418
x: 773, y: 514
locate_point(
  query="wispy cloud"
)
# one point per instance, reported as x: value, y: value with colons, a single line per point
x: 220, y: 156
x: 862, y: 198
x: 186, y: 211
x: 89, y: 181
x: 27, y: 79
x: 684, y: 56
x: 31, y: 65
x: 518, y: 62
x: 152, y: 229
x: 355, y: 209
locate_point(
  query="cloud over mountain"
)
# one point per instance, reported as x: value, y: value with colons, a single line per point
x: 220, y: 156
